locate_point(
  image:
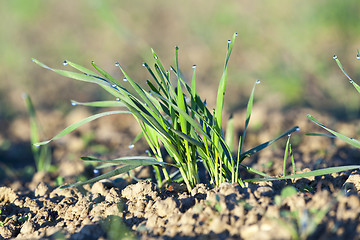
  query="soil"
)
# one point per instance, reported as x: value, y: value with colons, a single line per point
x: 326, y: 207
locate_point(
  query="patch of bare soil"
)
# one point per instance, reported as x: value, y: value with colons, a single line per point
x: 228, y: 212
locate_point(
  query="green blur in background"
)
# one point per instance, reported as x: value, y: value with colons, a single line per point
x: 288, y: 45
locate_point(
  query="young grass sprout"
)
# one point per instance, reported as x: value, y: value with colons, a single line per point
x: 41, y: 154
x: 173, y: 117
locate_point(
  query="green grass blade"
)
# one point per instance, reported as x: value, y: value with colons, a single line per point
x: 348, y: 140
x: 106, y: 74
x: 252, y: 170
x: 314, y: 173
x: 357, y: 87
x: 286, y: 155
x: 223, y: 83
x: 34, y: 131
x: 80, y: 68
x: 320, y: 135
x: 190, y: 120
x: 99, y: 103
x: 76, y: 125
x: 76, y: 76
x: 266, y: 144
x: 133, y: 160
x: 42, y: 155
x: 187, y: 138
x: 110, y: 174
x: 229, y: 135
x: 248, y: 114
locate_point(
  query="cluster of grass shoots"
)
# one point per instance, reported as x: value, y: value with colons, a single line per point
x: 174, y: 117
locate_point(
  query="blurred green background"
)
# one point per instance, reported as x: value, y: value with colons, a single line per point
x: 288, y: 45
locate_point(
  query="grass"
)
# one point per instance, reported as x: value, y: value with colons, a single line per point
x: 351, y: 141
x: 42, y: 155
x: 173, y: 116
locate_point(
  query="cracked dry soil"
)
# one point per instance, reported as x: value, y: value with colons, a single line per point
x: 227, y: 212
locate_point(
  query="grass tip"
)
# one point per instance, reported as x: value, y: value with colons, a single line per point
x: 24, y: 95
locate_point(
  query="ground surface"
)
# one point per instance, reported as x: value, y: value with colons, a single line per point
x: 322, y: 208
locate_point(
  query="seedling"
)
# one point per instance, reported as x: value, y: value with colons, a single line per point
x: 42, y: 155
x: 173, y: 117
x: 300, y: 224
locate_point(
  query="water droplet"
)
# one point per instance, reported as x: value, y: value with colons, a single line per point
x: 113, y: 85
x: 176, y: 48
x: 117, y: 99
x: 117, y: 64
x: 297, y: 129
x: 229, y: 41
x: 201, y: 160
x: 358, y: 56
x: 92, y: 62
x: 146, y: 151
x: 86, y: 74
x: 289, y: 135
x: 37, y: 145
x: 33, y: 60
x: 194, y: 66
x: 335, y: 57
x: 65, y: 63
x: 143, y: 64
x: 125, y: 79
x: 187, y: 100
x: 131, y: 146
x: 351, y: 81
x: 96, y: 171
x: 258, y: 81
x: 236, y: 34
x: 205, y: 103
x: 73, y: 103
x: 168, y: 128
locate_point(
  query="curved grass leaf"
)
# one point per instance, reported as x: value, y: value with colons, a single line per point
x: 357, y: 87
x: 313, y: 173
x: 110, y: 174
x: 348, y: 140
x: 81, y: 68
x: 133, y: 160
x: 74, y: 75
x: 99, y: 103
x: 74, y: 126
x: 264, y: 145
